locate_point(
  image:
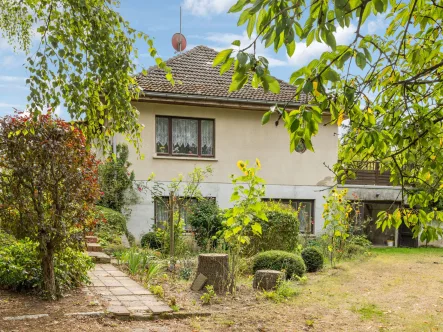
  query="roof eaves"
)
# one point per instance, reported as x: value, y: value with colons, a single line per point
x: 180, y: 96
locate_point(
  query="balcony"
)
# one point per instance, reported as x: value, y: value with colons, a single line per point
x: 368, y: 173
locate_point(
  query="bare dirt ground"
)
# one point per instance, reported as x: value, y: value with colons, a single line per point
x: 393, y: 290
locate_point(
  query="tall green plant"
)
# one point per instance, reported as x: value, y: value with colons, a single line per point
x: 117, y: 181
x: 206, y: 218
x: 245, y: 218
x: 336, y: 214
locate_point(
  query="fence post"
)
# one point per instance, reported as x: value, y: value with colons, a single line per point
x: 171, y: 228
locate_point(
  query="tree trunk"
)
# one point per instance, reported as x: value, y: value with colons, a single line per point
x: 215, y: 268
x: 47, y: 263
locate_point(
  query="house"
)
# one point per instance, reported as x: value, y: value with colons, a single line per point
x: 199, y: 123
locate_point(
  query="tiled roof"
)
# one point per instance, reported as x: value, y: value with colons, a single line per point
x: 194, y: 69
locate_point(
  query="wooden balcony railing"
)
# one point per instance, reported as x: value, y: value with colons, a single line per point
x: 368, y: 173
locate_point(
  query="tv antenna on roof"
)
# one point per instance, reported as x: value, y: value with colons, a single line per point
x: 178, y: 40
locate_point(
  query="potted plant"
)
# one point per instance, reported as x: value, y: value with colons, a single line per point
x: 390, y: 243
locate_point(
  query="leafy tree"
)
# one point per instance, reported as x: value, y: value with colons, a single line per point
x: 48, y: 185
x: 85, y: 60
x: 389, y: 87
x: 116, y: 181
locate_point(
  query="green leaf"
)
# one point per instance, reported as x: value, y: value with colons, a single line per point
x: 331, y: 75
x: 222, y: 57
x: 242, y: 58
x: 274, y: 86
x: 251, y: 25
x: 290, y: 48
x: 243, y: 18
x: 330, y: 40
x: 226, y: 66
x: 310, y: 38
x: 360, y: 60
x: 238, y: 83
x: 379, y: 6
x: 236, y: 42
x: 237, y: 7
x: 266, y: 117
x: 256, y: 228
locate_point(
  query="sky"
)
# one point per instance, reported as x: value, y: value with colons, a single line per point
x: 204, y: 22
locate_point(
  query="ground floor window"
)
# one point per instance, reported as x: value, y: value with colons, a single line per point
x: 162, y: 212
x: 306, y: 213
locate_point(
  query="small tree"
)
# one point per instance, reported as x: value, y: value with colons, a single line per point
x: 48, y: 185
x: 245, y: 217
x: 116, y: 181
x: 177, y: 197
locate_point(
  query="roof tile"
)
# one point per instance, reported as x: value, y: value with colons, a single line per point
x: 194, y: 69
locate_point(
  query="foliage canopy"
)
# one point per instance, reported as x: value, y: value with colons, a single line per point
x: 84, y: 59
x: 389, y: 86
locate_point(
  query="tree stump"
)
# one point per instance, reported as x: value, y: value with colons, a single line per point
x: 267, y: 279
x: 216, y: 269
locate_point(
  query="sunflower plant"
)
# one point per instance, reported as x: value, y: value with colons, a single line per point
x: 245, y: 216
x: 336, y: 214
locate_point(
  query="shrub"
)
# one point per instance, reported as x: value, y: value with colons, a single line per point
x: 114, y: 226
x: 360, y: 240
x: 151, y: 240
x: 279, y: 260
x: 280, y: 232
x: 116, y: 181
x: 313, y: 259
x: 48, y: 187
x: 20, y: 268
x: 206, y: 218
x: 353, y: 250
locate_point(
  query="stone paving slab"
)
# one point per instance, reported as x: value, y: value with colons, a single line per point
x: 124, y: 296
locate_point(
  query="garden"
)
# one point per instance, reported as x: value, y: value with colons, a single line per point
x: 230, y: 264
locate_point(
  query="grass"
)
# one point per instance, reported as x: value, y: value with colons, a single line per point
x: 408, y: 251
x: 369, y: 311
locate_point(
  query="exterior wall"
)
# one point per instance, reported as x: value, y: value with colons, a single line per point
x: 141, y: 220
x: 239, y: 135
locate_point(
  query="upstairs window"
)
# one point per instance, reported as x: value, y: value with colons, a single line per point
x: 176, y: 136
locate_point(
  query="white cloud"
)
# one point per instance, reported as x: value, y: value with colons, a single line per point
x: 208, y: 7
x: 7, y: 105
x: 12, y: 79
x: 377, y: 24
x: 223, y: 40
x: 303, y: 54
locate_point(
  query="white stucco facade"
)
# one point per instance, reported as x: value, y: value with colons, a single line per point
x: 239, y: 135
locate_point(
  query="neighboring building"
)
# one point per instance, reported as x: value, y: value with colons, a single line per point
x: 199, y: 123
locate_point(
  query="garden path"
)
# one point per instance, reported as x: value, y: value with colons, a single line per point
x: 123, y: 296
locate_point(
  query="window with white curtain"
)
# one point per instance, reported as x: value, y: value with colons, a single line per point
x: 184, y: 136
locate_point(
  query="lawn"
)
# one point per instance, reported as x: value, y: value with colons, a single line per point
x: 391, y: 290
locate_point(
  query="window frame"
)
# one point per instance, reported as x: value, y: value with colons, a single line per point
x: 199, y: 138
x: 159, y: 199
x: 297, y: 201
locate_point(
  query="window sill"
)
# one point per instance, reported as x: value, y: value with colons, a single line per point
x: 183, y: 158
